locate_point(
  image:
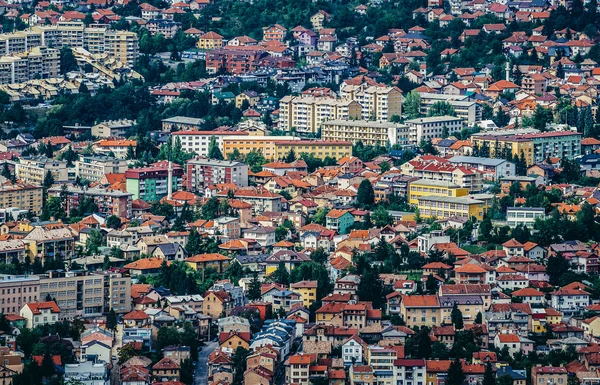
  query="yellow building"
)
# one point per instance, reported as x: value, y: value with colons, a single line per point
x: 420, y: 310
x: 247, y: 144
x: 429, y: 188
x: 219, y: 262
x: 319, y: 148
x: 510, y: 144
x: 307, y: 291
x: 554, y: 317
x: 24, y: 196
x: 210, y: 40
x: 445, y: 207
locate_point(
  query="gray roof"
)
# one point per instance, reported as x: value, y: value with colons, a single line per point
x: 477, y: 160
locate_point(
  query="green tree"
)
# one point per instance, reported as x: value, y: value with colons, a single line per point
x: 194, y: 242
x: 93, y: 242
x: 456, y: 376
x: 111, y: 320
x: 125, y: 353
x: 479, y: 318
x: 210, y: 209
x: 290, y: 157
x: 113, y: 222
x: 68, y: 62
x: 457, y: 318
x: 556, y: 267
x: 441, y: 108
x: 254, y: 289
x: 489, y: 377
x: 412, y: 105
x: 213, y: 149
x: 381, y: 217
x: 281, y: 275
x: 365, y: 195
x: 48, y: 180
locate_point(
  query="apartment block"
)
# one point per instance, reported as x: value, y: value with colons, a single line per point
x: 442, y: 207
x: 263, y: 144
x: 117, y: 147
x: 17, y: 290
x: 465, y: 109
x: 198, y: 142
x: 151, y: 183
x: 117, y: 291
x: 109, y: 202
x: 306, y: 113
x: 319, y: 148
x: 432, y: 127
x: 524, y: 216
x: 378, y: 102
x: 33, y: 169
x: 94, y: 168
x: 370, y: 133
x: 201, y: 173
x: 37, y: 63
x: 23, y: 196
x: 535, y: 146
x: 462, y: 176
x: 426, y: 187
x: 77, y: 293
x: 112, y: 128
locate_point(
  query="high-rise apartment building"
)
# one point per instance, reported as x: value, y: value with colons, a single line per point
x: 22, y: 195
x: 306, y: 113
x: 77, y: 293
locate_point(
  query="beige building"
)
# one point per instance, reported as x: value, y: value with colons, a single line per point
x: 420, y: 310
x: 18, y: 290
x: 122, y: 45
x: 117, y: 292
x: 33, y: 169
x: 94, y: 168
x: 36, y: 63
x: 112, y: 128
x: 77, y: 293
x: 306, y: 113
x: 378, y: 102
x: 370, y: 133
x: 24, y: 196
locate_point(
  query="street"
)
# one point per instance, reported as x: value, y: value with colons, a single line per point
x: 201, y: 376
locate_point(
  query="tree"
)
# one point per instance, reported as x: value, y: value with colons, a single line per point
x: 113, y: 222
x: 193, y: 245
x: 457, y: 317
x: 412, y: 105
x: 281, y: 275
x: 210, y: 209
x: 290, y: 157
x: 370, y: 288
x: 431, y: 284
x: 281, y: 233
x: 238, y: 361
x: 93, y: 242
x: 489, y: 377
x: 479, y: 318
x: 557, y: 266
x: 441, y: 108
x: 254, y: 289
x: 213, y: 149
x: 125, y: 353
x: 48, y: 180
x: 427, y: 147
x: 456, y: 376
x: 68, y: 62
x: 381, y: 217
x: 111, y: 320
x: 365, y: 195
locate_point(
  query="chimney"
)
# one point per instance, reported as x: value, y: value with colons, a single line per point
x: 170, y: 181
x: 507, y: 71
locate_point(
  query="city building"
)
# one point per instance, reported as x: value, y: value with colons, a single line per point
x: 18, y: 290
x: 24, y: 196
x: 151, y: 183
x: 112, y: 128
x: 77, y: 293
x: 524, y: 216
x: 428, y: 188
x: 117, y: 291
x: 40, y: 313
x: 108, y: 201
x: 116, y: 148
x: 95, y: 168
x: 379, y: 102
x: 428, y: 128
x: 306, y: 113
x: 263, y: 144
x: 201, y: 173
x: 33, y: 169
x: 370, y: 133
x: 492, y: 169
x: 36, y: 63
x: 319, y: 148
x: 467, y: 110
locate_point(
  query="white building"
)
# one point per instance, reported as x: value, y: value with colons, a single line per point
x: 202, y: 173
x: 372, y: 133
x: 432, y: 127
x: 87, y: 373
x: 492, y: 169
x: 524, y: 216
x: 570, y: 301
x: 39, y: 313
x: 33, y: 169
x: 410, y: 372
x: 353, y: 351
x: 94, y: 168
x: 426, y: 241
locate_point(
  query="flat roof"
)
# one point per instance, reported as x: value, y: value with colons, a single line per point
x: 433, y: 119
x: 476, y: 160
x: 461, y: 200
x: 435, y: 183
x: 526, y: 209
x: 183, y: 119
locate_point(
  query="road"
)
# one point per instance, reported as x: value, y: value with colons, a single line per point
x: 201, y: 375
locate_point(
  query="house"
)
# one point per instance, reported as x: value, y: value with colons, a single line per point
x: 307, y: 291
x: 136, y: 318
x: 166, y: 370
x: 570, y: 300
x: 420, y: 310
x: 353, y: 350
x: 40, y: 313
x: 549, y: 375
x: 530, y: 295
x: 339, y: 220
x: 216, y: 261
x: 217, y: 303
